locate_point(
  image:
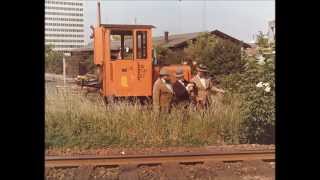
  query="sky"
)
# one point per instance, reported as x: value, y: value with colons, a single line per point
x: 240, y: 19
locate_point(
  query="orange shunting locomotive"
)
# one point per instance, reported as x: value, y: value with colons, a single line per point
x: 124, y: 58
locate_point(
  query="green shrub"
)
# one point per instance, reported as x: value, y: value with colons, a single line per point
x: 258, y: 105
x: 53, y: 61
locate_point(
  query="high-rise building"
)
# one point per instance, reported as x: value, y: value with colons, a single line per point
x: 64, y: 24
x: 271, y: 30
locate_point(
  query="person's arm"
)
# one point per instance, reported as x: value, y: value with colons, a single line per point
x: 215, y: 89
x: 156, y: 96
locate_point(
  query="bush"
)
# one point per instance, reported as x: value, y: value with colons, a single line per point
x: 259, y: 109
x: 53, y: 61
x: 258, y: 105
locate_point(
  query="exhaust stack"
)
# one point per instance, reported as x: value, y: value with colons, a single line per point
x: 99, y: 15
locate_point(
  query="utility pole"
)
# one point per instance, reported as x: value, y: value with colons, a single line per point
x: 64, y: 68
x: 204, y: 19
x: 179, y: 16
x: 64, y: 71
x: 98, y: 15
x: 135, y: 20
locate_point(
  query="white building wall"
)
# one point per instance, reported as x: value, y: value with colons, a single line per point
x: 64, y: 24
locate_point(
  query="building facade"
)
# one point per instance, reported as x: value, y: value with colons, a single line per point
x: 271, y: 31
x: 64, y: 24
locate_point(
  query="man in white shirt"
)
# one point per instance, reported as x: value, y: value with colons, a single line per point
x: 204, y: 86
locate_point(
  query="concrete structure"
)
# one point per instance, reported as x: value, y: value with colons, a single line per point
x: 64, y: 24
x: 271, y: 31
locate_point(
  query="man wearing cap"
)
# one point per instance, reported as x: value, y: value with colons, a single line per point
x: 203, y: 86
x: 162, y: 92
x: 180, y: 89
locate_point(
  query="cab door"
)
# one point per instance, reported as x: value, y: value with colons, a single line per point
x: 142, y: 63
x: 121, y: 68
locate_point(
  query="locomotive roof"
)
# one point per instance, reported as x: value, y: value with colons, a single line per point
x: 127, y: 26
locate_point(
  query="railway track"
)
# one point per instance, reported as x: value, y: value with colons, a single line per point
x: 128, y: 164
x: 76, y: 161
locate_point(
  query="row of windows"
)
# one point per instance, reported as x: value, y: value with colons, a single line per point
x: 62, y: 24
x: 63, y: 30
x: 66, y: 14
x: 64, y: 8
x: 64, y: 35
x: 67, y: 46
x: 64, y: 40
x: 64, y: 3
x: 63, y: 19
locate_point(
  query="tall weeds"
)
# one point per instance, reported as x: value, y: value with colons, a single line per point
x: 76, y: 121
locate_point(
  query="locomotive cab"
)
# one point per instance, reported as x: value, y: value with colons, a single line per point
x: 124, y: 54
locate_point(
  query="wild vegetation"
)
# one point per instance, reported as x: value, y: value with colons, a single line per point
x: 256, y: 87
x: 76, y: 121
x: 53, y: 60
x: 252, y: 80
x: 245, y: 114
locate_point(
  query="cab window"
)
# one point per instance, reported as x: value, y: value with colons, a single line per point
x: 141, y: 44
x: 121, y: 45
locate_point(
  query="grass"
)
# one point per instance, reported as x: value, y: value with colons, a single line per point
x: 74, y: 121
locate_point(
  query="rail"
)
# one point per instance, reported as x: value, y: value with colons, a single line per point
x: 76, y: 161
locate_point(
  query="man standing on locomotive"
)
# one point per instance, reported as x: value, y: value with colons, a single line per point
x: 163, y: 92
x: 204, y: 87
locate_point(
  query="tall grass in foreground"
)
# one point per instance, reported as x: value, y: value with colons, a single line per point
x: 76, y: 121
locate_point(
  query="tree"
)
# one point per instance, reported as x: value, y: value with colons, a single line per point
x: 53, y: 60
x: 262, y: 41
x: 223, y: 57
